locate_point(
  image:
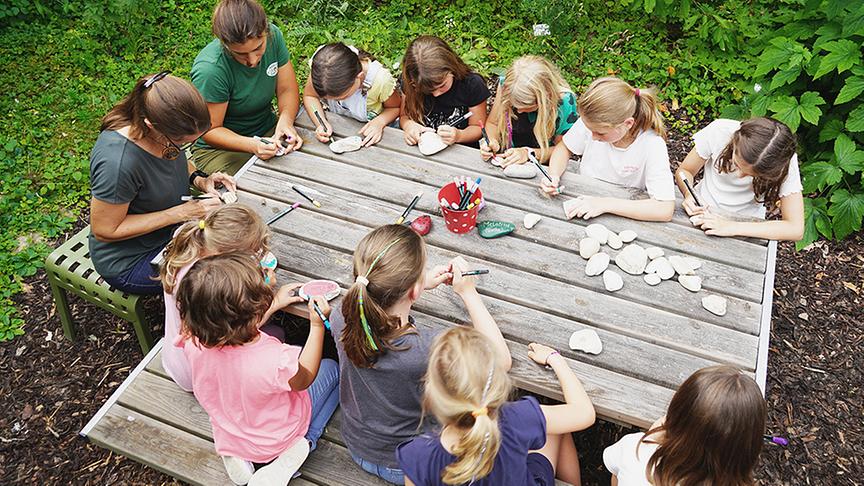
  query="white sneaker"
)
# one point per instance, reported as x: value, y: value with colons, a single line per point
x: 239, y: 471
x: 282, y: 469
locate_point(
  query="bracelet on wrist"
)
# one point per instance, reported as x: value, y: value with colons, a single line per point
x: 194, y: 175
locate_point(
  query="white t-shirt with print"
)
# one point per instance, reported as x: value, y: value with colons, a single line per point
x: 643, y: 165
x: 622, y: 460
x: 728, y: 192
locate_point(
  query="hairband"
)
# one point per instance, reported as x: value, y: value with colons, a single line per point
x: 365, y: 282
x: 201, y: 224
x: 480, y: 411
x: 484, y: 411
x: 637, y: 92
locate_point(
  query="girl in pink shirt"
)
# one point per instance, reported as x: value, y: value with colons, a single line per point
x: 267, y: 402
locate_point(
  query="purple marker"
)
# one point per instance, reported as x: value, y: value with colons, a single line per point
x: 777, y: 440
x: 283, y: 213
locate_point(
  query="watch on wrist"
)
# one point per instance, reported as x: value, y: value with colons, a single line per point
x: 197, y: 173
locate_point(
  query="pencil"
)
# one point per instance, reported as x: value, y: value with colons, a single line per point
x: 409, y: 208
x: 298, y: 191
x: 283, y: 213
x: 689, y: 188
x: 475, y: 272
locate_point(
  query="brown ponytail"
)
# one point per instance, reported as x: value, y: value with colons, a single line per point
x: 172, y: 105
x: 334, y: 69
x: 610, y: 101
x: 427, y: 62
x: 767, y: 145
x: 237, y: 21
x: 399, y: 267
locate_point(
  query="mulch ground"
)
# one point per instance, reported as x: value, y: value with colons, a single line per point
x: 50, y: 387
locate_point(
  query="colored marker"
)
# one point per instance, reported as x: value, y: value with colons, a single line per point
x: 298, y: 191
x: 689, y: 188
x: 470, y: 193
x: 321, y: 121
x: 196, y: 198
x: 283, y: 213
x: 459, y: 187
x: 460, y: 119
x: 475, y: 272
x: 409, y: 208
x: 543, y: 170
x: 483, y: 132
x: 774, y: 439
x: 321, y: 315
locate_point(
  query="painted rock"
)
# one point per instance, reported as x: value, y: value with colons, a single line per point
x: 326, y: 288
x: 598, y: 232
x: 521, y: 171
x: 422, y: 225
x: 229, y: 197
x: 588, y: 247
x: 586, y: 340
x: 681, y: 266
x: 614, y: 241
x: 661, y: 267
x: 612, y: 281
x: 652, y: 279
x: 693, y: 283
x: 654, y: 252
x: 494, y: 229
x: 430, y: 143
x: 597, y: 264
x: 632, y: 259
x: 531, y: 220
x: 347, y: 144
x: 715, y: 305
x: 627, y: 236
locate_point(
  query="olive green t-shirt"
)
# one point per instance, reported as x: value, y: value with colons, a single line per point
x: 248, y: 91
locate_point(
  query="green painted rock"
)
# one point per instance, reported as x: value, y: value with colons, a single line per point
x: 494, y: 229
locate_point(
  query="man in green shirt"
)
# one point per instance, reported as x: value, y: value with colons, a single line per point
x: 238, y: 73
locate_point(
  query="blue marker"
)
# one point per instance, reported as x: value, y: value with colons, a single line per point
x: 469, y: 193
x: 321, y: 315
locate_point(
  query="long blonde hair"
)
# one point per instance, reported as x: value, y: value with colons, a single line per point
x: 530, y: 81
x: 231, y: 228
x: 465, y: 388
x: 610, y: 101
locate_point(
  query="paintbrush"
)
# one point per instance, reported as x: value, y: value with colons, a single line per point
x: 475, y: 272
x: 321, y: 121
x: 689, y: 188
x: 409, y: 208
x: 283, y: 213
x: 543, y: 170
x: 298, y: 191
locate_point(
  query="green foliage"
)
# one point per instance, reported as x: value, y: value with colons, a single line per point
x: 812, y: 78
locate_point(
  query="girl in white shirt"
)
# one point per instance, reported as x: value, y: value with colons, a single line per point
x: 712, y: 434
x: 748, y: 165
x: 621, y: 139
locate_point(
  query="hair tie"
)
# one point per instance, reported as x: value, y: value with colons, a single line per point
x: 201, y: 224
x: 637, y: 92
x: 361, y: 280
x: 480, y: 411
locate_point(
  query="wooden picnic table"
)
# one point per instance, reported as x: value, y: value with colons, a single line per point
x: 537, y: 290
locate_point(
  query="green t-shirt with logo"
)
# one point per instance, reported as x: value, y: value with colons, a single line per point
x: 248, y: 91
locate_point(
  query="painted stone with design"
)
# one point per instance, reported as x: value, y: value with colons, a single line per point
x: 494, y: 229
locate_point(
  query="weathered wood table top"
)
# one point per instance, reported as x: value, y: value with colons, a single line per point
x: 653, y: 337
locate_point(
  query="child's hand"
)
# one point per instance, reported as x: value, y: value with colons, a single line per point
x: 437, y: 276
x: 412, y: 132
x: 588, y: 207
x: 713, y: 225
x: 314, y: 318
x: 448, y: 134
x: 550, y: 188
x: 540, y: 353
x: 324, y: 132
x: 462, y: 285
x: 287, y: 295
x: 512, y: 156
x: 691, y: 208
x: 371, y: 132
x: 487, y: 151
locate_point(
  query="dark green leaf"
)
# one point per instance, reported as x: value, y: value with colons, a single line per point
x: 816, y: 221
x: 818, y: 175
x: 786, y: 110
x: 827, y: 32
x: 785, y: 77
x: 855, y: 121
x: 847, y: 157
x: 853, y: 87
x: 809, y: 106
x: 830, y: 130
x: 842, y: 55
x: 846, y: 211
x: 853, y: 23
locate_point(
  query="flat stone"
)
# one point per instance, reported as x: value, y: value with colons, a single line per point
x: 586, y: 340
x: 695, y: 263
x: 430, y: 143
x: 347, y: 144
x: 568, y: 207
x: 661, y: 267
x: 496, y: 161
x: 229, y: 197
x: 612, y: 281
x: 654, y: 252
x: 531, y: 220
x: 632, y: 259
x: 693, y: 283
x: 422, y: 225
x: 652, y: 279
x: 715, y: 305
x: 588, y: 247
x: 597, y: 264
x: 681, y: 266
x: 614, y: 241
x: 521, y: 171
x: 494, y: 229
x: 598, y: 232
x: 627, y: 236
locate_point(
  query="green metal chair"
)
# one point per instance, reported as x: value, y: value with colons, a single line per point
x: 70, y: 269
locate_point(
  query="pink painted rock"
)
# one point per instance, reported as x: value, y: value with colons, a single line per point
x: 326, y: 288
x: 422, y: 225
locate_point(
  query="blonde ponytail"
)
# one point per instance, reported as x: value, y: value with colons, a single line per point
x: 610, y: 101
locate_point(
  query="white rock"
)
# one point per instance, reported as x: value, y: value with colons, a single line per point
x: 661, y: 267
x: 229, y: 197
x: 568, y: 207
x: 597, y: 264
x: 654, y: 252
x: 632, y: 259
x: 430, y: 143
x: 614, y: 241
x: 586, y: 340
x: 652, y: 279
x: 588, y: 247
x: 715, y: 305
x: 496, y: 161
x: 612, y: 281
x: 693, y: 283
x: 521, y: 171
x: 598, y: 232
x: 694, y: 263
x: 531, y: 220
x: 627, y: 236
x: 347, y: 144
x: 681, y: 266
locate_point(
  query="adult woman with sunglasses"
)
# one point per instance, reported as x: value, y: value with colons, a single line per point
x: 238, y: 74
x: 138, y: 174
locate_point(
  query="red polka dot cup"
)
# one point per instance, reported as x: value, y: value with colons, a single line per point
x: 459, y: 222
